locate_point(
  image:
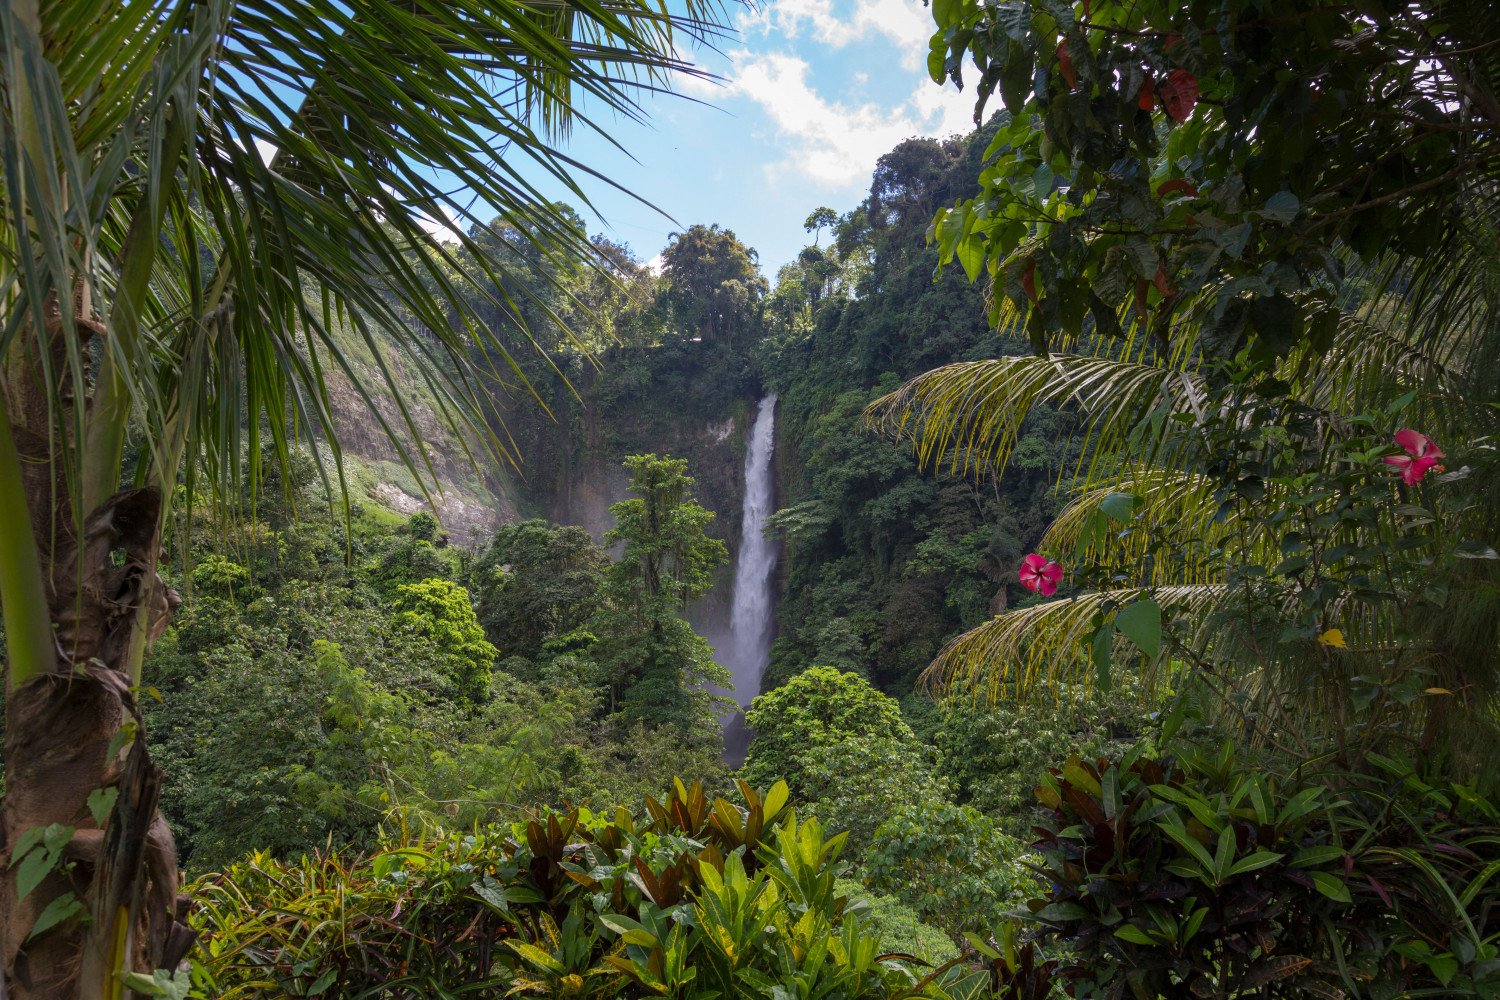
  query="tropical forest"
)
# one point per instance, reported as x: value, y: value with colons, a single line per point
x: 824, y: 500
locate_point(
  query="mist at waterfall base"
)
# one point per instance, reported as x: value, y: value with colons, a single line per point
x: 746, y: 650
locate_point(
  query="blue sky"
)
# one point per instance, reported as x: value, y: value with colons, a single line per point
x: 814, y: 92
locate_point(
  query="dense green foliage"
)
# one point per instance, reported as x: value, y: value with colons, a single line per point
x: 536, y: 584
x: 994, y: 755
x: 715, y: 285
x: 952, y: 862
x: 1274, y: 344
x: 1206, y: 875
x: 314, y: 687
x: 887, y: 562
x: 1226, y: 160
x: 843, y: 748
x: 691, y: 898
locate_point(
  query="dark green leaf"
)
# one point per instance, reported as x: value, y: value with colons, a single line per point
x: 1140, y: 622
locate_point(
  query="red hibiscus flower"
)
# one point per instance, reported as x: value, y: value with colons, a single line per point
x: 1421, y: 455
x: 1038, y: 573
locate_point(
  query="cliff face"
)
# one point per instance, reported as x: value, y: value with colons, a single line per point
x: 469, y: 502
x: 688, y: 400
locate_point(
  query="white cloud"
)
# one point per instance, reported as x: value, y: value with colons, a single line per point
x: 835, y: 144
x: 906, y: 23
x: 702, y: 88
x: 445, y: 229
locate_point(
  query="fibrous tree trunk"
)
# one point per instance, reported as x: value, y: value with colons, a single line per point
x: 75, y: 755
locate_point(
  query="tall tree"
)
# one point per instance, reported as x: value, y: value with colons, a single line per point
x: 536, y: 583
x: 656, y: 662
x: 197, y: 196
x: 714, y: 282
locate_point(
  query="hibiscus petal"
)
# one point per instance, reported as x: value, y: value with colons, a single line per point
x: 1034, y: 562
x: 1399, y: 460
x: 1052, y: 571
x: 1048, y: 587
x: 1031, y: 583
x: 1416, y: 443
x: 1418, y: 468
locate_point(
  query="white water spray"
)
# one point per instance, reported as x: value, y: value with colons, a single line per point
x: 747, y: 651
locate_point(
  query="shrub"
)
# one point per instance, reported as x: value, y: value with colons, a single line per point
x: 820, y: 707
x: 1202, y: 877
x: 951, y: 863
x: 439, y: 610
x: 900, y: 927
x: 843, y: 748
x: 994, y: 755
x: 695, y: 898
x: 861, y: 782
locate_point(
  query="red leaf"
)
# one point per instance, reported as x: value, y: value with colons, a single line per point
x: 1065, y: 66
x: 1176, y: 184
x: 1179, y: 93
x: 1162, y: 284
x: 1028, y: 281
x: 1146, y: 99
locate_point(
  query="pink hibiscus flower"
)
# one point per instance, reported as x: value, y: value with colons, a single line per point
x: 1038, y: 573
x: 1421, y: 456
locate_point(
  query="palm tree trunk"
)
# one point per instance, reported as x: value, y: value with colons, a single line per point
x: 72, y: 733
x: 81, y: 791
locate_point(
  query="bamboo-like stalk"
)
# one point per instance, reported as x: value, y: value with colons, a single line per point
x: 30, y: 650
x: 104, y: 446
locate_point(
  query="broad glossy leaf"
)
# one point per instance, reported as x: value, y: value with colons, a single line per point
x: 1140, y: 622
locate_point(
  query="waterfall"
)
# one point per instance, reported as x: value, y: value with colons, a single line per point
x: 747, y: 649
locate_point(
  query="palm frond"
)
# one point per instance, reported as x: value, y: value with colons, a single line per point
x: 1174, y: 534
x: 970, y: 415
x: 1372, y: 360
x: 1044, y: 649
x: 243, y: 209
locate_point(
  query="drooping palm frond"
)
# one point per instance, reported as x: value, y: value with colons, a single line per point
x: 970, y: 415
x: 1372, y: 360
x: 1448, y: 302
x: 1232, y: 638
x: 1173, y: 534
x: 243, y: 190
x: 470, y: 92
x: 1038, y: 651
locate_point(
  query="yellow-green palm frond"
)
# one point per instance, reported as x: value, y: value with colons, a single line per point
x: 1372, y: 360
x: 1165, y: 530
x: 970, y: 414
x: 1042, y: 650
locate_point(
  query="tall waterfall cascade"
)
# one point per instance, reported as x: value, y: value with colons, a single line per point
x: 746, y: 650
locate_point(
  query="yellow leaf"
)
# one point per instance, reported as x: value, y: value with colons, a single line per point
x: 1333, y: 637
x: 1437, y: 691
